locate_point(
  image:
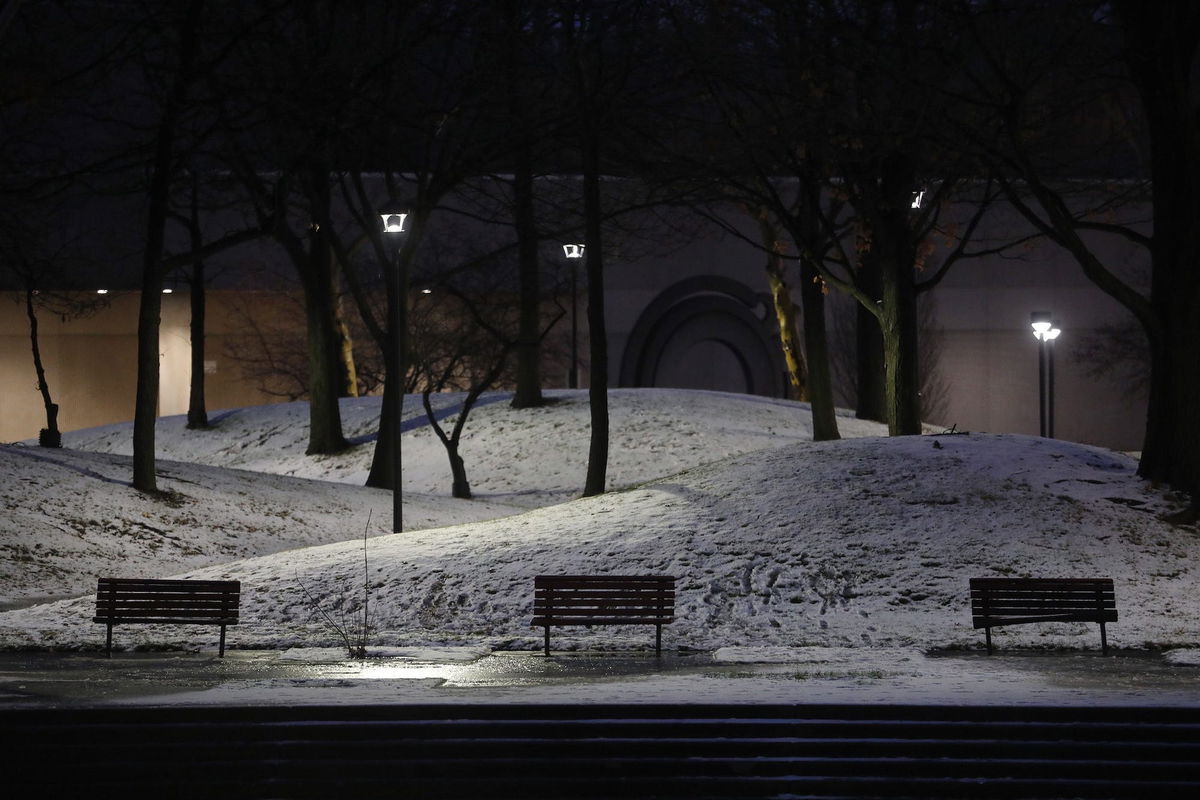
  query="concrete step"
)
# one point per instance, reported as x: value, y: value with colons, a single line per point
x: 608, y: 751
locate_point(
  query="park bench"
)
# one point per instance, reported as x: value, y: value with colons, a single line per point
x: 128, y: 601
x: 604, y: 600
x: 1016, y: 601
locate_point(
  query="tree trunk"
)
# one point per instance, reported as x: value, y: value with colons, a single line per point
x: 597, y: 469
x: 324, y: 361
x: 899, y: 328
x: 820, y: 379
x: 197, y: 414
x: 51, y: 436
x: 381, y: 474
x: 347, y: 369
x: 325, y: 376
x: 461, y: 487
x: 528, y: 392
x: 1162, y: 40
x: 1171, y: 442
x: 785, y: 308
x: 812, y: 301
x: 145, y: 412
x: 892, y: 239
x: 870, y: 372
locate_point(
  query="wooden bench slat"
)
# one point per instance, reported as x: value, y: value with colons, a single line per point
x: 1008, y: 582
x: 124, y: 601
x: 581, y: 600
x: 566, y: 601
x: 1062, y: 590
x: 166, y: 584
x: 161, y: 620
x: 199, y: 619
x: 581, y: 623
x: 616, y: 599
x: 1043, y: 618
x: 207, y: 601
x: 996, y: 602
x: 1046, y: 602
x: 590, y: 579
x: 623, y: 588
x: 584, y: 582
x: 576, y: 613
x: 1033, y: 604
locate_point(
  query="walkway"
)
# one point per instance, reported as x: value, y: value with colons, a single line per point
x: 465, y: 676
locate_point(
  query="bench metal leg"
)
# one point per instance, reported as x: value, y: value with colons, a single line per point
x: 108, y: 642
x: 547, y: 632
x: 658, y: 640
x: 987, y: 632
x: 1103, y: 640
x: 221, y: 652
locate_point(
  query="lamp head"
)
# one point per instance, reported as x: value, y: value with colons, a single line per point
x: 393, y: 223
x: 573, y: 250
x: 1041, y: 323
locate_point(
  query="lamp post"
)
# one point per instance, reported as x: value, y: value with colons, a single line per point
x: 394, y: 224
x: 573, y: 252
x: 1045, y: 330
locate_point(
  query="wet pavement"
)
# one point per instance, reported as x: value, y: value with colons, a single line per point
x: 256, y: 677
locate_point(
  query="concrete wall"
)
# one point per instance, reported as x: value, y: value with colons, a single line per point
x: 988, y: 361
x: 91, y: 364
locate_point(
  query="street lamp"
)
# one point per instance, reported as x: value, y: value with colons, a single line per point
x: 394, y: 224
x: 1045, y: 330
x: 572, y: 252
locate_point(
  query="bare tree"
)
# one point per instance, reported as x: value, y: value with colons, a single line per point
x: 1042, y: 105
x: 26, y: 262
x: 460, y: 343
x: 184, y: 73
x: 606, y: 50
x: 831, y: 127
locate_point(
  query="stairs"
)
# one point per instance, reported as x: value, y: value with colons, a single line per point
x: 600, y: 751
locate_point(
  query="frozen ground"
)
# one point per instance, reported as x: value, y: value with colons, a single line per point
x: 782, y: 547
x: 317, y: 676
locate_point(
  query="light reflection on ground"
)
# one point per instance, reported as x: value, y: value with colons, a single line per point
x: 269, y: 677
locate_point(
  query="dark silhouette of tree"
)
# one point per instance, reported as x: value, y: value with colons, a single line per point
x: 187, y: 28
x: 293, y: 99
x: 461, y: 342
x: 1075, y: 121
x: 434, y: 124
x: 826, y: 116
x: 28, y: 263
x: 523, y: 25
x: 1161, y: 42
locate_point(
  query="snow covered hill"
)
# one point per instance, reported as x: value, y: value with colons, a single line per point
x: 776, y: 541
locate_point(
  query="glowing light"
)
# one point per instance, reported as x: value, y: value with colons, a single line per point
x: 1041, y: 323
x: 917, y: 198
x: 102, y: 291
x: 573, y: 250
x: 393, y: 223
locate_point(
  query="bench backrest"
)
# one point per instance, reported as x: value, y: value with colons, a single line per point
x: 612, y: 598
x: 1008, y: 600
x: 157, y: 600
